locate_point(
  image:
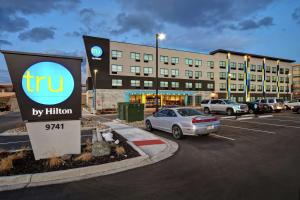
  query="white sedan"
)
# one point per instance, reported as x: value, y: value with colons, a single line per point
x: 182, y: 121
x: 289, y: 105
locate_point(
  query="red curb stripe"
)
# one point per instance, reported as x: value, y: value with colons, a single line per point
x: 147, y: 142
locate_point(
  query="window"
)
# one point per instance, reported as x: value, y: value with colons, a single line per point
x: 198, y: 85
x: 135, y: 56
x: 241, y: 87
x: 148, y: 57
x: 233, y: 87
x: 174, y: 72
x: 287, y: 89
x: 233, y: 76
x: 240, y: 99
x: 210, y: 86
x: 222, y: 86
x: 274, y: 70
x: 259, y: 88
x: 210, y: 64
x: 268, y: 88
x: 116, y: 82
x: 174, y: 60
x: 222, y: 75
x: 163, y: 84
x: 210, y: 75
x: 233, y: 65
x: 281, y: 79
x: 259, y: 77
x: 135, y: 69
x: 281, y: 88
x: 268, y: 78
x: 241, y: 66
x: 189, y: 85
x: 241, y: 77
x: 164, y: 59
x: 189, y: 73
x: 175, y: 84
x: 148, y: 70
x: 148, y: 83
x: 274, y: 88
x: 259, y: 68
x: 135, y: 83
x: 274, y: 79
x: 188, y: 61
x: 253, y: 88
x: 116, y: 54
x: 253, y: 77
x: 253, y: 68
x: 268, y: 69
x: 281, y: 71
x: 287, y: 80
x: 222, y: 64
x: 116, y: 68
x: 198, y: 74
x: 287, y: 71
x: 198, y: 62
x: 164, y: 72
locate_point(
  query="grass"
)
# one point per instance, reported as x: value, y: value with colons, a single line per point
x: 84, y: 157
x: 120, y: 150
x: 55, y: 162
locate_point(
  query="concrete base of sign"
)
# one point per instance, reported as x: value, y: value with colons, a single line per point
x: 63, y: 176
x: 54, y: 138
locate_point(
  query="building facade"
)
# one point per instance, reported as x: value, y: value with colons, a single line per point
x: 123, y: 72
x: 296, y: 81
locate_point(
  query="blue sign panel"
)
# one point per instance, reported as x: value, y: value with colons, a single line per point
x: 96, y: 51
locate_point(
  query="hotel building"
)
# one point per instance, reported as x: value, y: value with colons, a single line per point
x: 123, y: 72
x: 296, y: 81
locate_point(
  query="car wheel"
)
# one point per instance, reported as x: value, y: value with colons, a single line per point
x: 148, y: 125
x: 206, y: 110
x: 298, y: 111
x: 250, y: 111
x: 207, y: 134
x: 229, y: 111
x: 278, y: 111
x: 177, y: 132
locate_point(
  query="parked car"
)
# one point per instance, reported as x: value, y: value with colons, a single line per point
x: 256, y: 107
x: 274, y: 104
x: 296, y: 109
x: 223, y: 106
x: 182, y: 121
x: 289, y: 105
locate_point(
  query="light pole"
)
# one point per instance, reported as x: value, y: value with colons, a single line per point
x: 287, y: 86
x: 95, y: 82
x: 158, y: 36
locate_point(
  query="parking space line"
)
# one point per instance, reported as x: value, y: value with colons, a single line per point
x: 220, y: 136
x: 244, y: 118
x: 250, y: 129
x: 16, y: 142
x: 228, y: 117
x: 285, y: 120
x: 287, y: 116
x: 287, y: 126
x: 265, y: 116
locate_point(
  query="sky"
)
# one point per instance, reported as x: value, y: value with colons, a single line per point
x: 267, y: 27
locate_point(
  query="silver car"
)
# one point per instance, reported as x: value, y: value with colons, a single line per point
x: 182, y: 121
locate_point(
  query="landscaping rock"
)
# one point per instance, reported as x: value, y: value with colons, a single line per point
x: 108, y: 137
x: 101, y: 149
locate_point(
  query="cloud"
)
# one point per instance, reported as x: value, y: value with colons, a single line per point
x: 251, y: 24
x: 13, y: 12
x: 296, y: 15
x: 37, y: 34
x: 5, y: 42
x: 139, y: 22
x: 196, y: 13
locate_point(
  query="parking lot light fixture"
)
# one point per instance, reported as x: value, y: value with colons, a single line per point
x: 158, y: 36
x: 95, y: 82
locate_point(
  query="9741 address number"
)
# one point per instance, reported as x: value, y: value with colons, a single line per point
x: 54, y: 126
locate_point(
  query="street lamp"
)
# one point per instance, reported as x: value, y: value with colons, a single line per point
x: 158, y: 36
x: 95, y: 82
x: 287, y: 86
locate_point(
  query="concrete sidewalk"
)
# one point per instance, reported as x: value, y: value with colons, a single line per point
x: 155, y: 147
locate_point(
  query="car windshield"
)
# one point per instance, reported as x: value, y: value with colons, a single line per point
x: 229, y: 101
x: 188, y: 112
x: 280, y: 100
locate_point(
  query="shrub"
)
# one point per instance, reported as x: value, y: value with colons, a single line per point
x: 120, y: 150
x: 88, y: 147
x: 6, y: 164
x: 84, y: 157
x: 54, y: 162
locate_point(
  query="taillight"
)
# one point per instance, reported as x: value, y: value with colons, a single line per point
x: 195, y: 120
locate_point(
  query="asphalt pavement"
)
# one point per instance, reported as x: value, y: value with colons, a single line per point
x: 248, y: 159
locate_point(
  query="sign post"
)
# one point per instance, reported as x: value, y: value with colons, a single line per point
x: 48, y: 91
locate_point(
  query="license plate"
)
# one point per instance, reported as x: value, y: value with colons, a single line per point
x: 210, y: 127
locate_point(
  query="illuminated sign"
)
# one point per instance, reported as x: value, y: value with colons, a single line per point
x: 96, y: 51
x: 47, y: 83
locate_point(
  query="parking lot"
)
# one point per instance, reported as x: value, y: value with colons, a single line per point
x: 252, y: 157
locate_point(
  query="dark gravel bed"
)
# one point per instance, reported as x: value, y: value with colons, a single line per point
x: 28, y: 165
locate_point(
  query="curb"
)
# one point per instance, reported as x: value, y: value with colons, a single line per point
x: 64, y: 176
